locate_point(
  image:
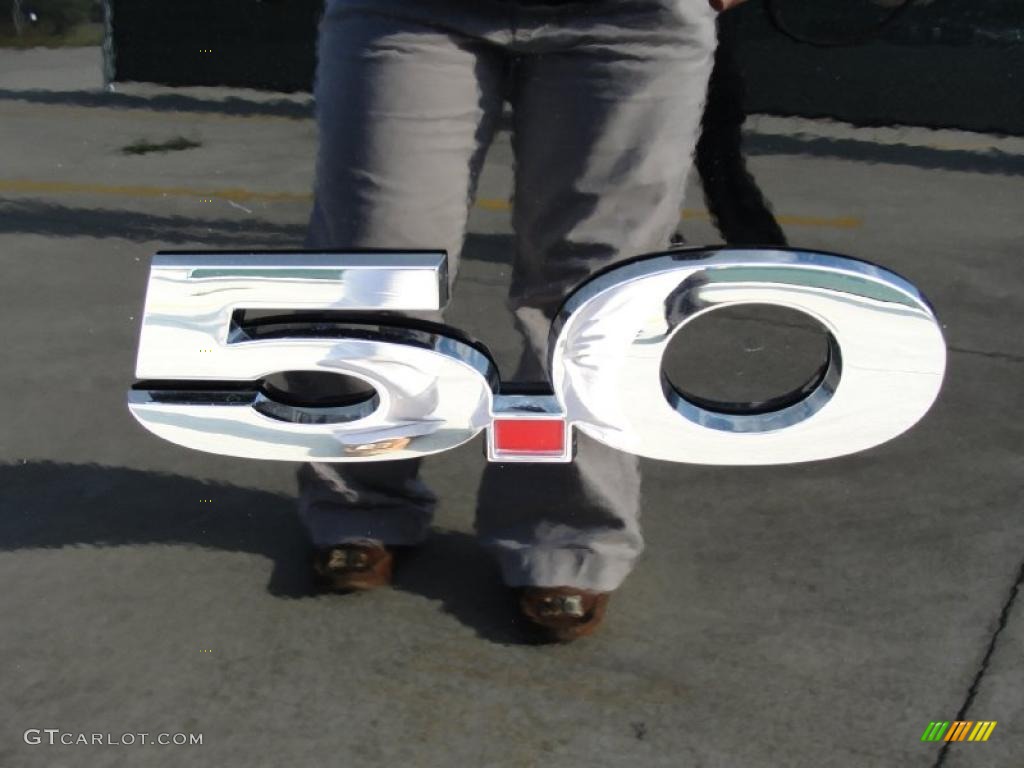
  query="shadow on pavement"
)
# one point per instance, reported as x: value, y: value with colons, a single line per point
x: 169, y: 102
x: 51, y: 505
x: 55, y: 220
x: 52, y: 220
x: 991, y: 161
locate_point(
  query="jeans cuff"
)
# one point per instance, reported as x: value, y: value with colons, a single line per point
x: 566, y: 567
x: 329, y: 527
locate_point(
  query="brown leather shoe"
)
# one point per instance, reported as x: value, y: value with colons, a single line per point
x: 563, y: 613
x: 353, y: 567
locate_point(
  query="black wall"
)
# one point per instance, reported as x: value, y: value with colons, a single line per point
x: 268, y: 44
x: 954, y: 63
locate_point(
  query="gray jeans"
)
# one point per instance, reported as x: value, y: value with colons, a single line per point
x: 607, y: 98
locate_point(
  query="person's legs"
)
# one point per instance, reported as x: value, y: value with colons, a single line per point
x: 405, y: 112
x: 607, y: 107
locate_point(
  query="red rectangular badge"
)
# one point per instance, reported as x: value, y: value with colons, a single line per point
x: 529, y: 436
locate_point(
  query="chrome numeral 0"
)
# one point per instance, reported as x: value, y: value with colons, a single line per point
x: 887, y: 356
x: 434, y: 392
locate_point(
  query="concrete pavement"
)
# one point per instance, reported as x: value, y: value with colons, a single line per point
x: 812, y: 615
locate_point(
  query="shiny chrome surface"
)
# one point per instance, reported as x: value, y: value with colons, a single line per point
x: 191, y: 298
x: 884, y: 371
x: 432, y: 392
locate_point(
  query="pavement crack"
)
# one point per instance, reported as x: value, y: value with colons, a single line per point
x: 1004, y: 617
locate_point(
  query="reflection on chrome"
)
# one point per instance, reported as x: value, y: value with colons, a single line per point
x: 886, y: 363
x: 433, y: 392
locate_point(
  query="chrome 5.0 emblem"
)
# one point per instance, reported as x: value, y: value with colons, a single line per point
x: 201, y: 367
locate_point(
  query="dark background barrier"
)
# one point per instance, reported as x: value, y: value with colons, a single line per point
x: 950, y: 63
x: 242, y: 43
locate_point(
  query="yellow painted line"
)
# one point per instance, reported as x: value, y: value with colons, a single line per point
x: 239, y: 194
x: 791, y: 220
x: 837, y: 222
x: 691, y: 214
x: 170, y: 118
x: 494, y: 204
